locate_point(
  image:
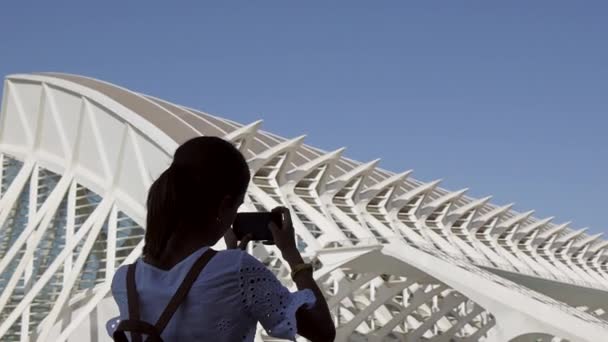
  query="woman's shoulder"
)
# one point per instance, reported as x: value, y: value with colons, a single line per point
x: 119, y: 278
x: 236, y: 263
x: 239, y: 260
x: 229, y: 261
x: 246, y: 260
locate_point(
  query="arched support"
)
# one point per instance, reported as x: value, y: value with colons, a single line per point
x: 502, y: 298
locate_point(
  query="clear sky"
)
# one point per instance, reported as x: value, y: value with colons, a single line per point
x: 508, y: 98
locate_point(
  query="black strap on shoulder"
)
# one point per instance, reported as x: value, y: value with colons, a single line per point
x: 133, y: 299
x: 183, y: 289
x: 138, y: 327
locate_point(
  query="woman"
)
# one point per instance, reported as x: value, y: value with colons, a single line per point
x: 190, y: 207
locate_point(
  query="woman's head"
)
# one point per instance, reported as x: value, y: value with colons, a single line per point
x: 197, y: 196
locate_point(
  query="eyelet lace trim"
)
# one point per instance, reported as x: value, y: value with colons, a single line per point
x: 268, y: 301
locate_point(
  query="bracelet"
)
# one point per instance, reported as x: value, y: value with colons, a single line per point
x: 300, y: 267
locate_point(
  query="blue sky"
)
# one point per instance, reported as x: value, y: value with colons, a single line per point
x: 506, y: 98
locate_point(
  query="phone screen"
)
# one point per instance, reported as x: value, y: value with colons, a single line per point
x: 255, y: 224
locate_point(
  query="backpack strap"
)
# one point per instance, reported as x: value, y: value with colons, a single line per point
x: 133, y: 299
x: 183, y: 289
x: 133, y: 324
x: 138, y: 327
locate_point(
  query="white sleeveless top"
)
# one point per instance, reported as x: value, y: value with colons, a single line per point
x: 232, y: 293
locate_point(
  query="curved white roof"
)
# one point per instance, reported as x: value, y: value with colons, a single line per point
x: 181, y: 123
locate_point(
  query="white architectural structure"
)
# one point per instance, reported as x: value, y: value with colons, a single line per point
x: 398, y: 259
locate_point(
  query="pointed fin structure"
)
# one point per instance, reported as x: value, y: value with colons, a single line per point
x: 401, y: 201
x: 534, y: 227
x: 552, y: 231
x: 483, y: 219
x: 598, y: 246
x: 245, y: 134
x: 432, y: 206
x: 589, y: 239
x: 478, y: 203
x: 516, y: 219
x: 473, y: 206
x: 570, y: 236
x: 258, y: 161
x: 373, y: 190
x: 538, y: 224
x: 301, y: 171
x: 361, y: 170
x: 514, y: 222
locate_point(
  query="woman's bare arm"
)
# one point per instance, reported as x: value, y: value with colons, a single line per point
x: 314, y: 323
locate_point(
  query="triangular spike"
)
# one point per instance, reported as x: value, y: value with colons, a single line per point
x: 301, y: 171
x: 340, y: 150
x: 446, y: 197
x: 254, y: 126
x: 435, y: 182
x: 344, y: 178
x: 462, y: 191
x: 473, y: 204
x: 299, y: 138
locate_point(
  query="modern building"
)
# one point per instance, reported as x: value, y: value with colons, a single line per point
x: 398, y: 259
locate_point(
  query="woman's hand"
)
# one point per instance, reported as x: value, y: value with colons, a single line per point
x: 314, y: 323
x: 233, y: 243
x: 284, y: 237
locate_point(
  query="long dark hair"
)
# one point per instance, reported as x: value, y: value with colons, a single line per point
x: 188, y: 195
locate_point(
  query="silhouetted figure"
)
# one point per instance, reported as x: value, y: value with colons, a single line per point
x: 182, y: 290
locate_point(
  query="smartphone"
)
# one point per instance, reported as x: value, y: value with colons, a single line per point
x: 256, y: 224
